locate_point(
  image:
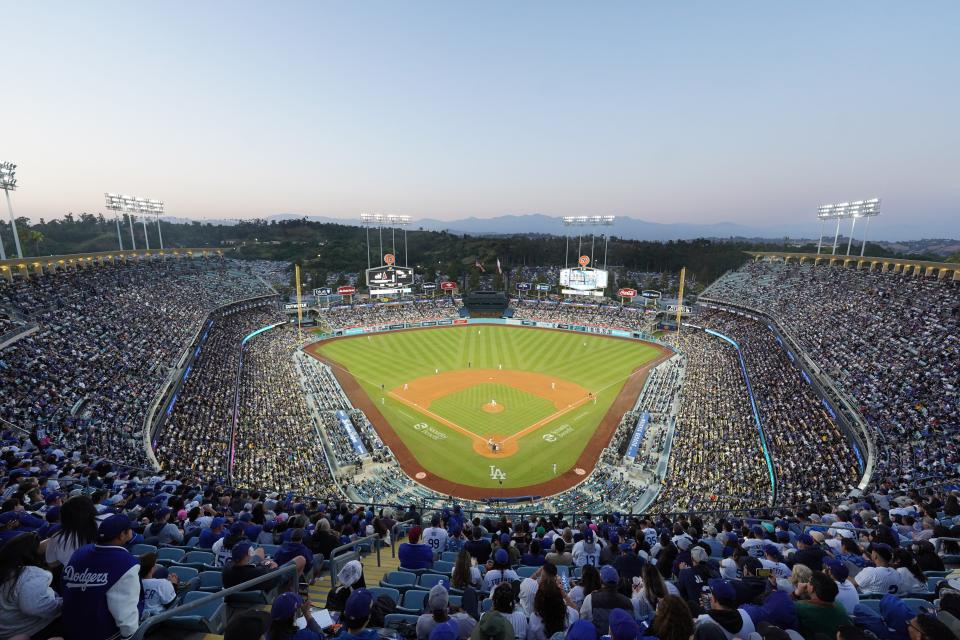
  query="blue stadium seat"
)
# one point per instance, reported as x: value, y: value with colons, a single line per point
x: 184, y: 574
x: 442, y: 566
x: 449, y: 556
x: 399, y: 580
x: 208, y: 618
x: 413, y: 601
x: 393, y: 594
x: 211, y: 581
x: 170, y: 554
x: 526, y: 572
x: 429, y: 580
x: 142, y: 549
x: 394, y: 620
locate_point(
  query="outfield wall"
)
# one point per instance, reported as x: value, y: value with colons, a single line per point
x: 457, y: 322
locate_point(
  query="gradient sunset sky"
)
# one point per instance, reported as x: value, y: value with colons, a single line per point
x: 749, y: 112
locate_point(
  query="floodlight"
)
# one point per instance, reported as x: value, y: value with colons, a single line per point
x: 8, y: 182
x: 134, y: 206
x: 844, y: 210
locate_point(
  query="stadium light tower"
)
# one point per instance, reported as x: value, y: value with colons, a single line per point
x: 391, y: 221
x: 8, y: 182
x: 135, y: 207
x: 587, y: 221
x: 843, y: 210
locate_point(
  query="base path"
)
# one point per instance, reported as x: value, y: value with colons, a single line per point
x: 578, y: 472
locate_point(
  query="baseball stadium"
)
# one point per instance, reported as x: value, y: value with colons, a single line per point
x: 479, y: 321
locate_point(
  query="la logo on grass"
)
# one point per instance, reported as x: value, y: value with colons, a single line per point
x: 496, y: 473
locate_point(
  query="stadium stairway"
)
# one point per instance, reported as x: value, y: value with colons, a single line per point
x: 318, y: 591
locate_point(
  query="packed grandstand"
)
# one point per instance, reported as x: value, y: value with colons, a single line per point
x: 165, y: 437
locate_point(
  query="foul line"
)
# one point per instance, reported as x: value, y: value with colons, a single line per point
x: 467, y: 432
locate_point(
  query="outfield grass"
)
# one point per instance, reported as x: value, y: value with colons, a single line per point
x: 601, y: 365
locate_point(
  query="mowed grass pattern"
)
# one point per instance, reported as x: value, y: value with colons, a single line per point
x: 466, y: 409
x: 599, y: 364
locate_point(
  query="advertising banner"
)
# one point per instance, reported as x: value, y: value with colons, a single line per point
x: 346, y: 290
x: 448, y: 286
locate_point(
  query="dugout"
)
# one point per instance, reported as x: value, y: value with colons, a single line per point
x: 485, y: 304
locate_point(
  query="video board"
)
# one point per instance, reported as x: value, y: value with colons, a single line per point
x: 583, y: 280
x: 389, y: 277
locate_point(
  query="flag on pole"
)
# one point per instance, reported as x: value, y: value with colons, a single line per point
x: 479, y: 265
x: 499, y: 269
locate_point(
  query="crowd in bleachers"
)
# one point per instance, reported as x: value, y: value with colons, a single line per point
x: 276, y: 445
x: 716, y: 459
x: 890, y: 341
x: 373, y: 314
x: 108, y: 338
x: 792, y: 415
x: 197, y: 432
x: 626, y: 317
x: 851, y: 565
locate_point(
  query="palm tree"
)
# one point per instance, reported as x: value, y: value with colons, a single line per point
x: 36, y: 237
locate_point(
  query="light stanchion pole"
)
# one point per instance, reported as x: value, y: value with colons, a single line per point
x: 133, y: 239
x: 853, y: 225
x: 116, y: 218
x: 865, y: 232
x: 146, y: 236
x: 8, y: 182
x: 820, y: 238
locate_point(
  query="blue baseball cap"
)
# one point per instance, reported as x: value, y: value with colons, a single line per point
x: 113, y: 527
x: 805, y: 538
x: 622, y: 625
x: 240, y: 551
x: 501, y: 557
x: 582, y: 630
x: 609, y: 575
x: 837, y: 569
x: 285, y: 606
x: 723, y: 591
x: 358, y: 606
x: 217, y: 522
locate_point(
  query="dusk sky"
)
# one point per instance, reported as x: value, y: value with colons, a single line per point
x: 749, y: 112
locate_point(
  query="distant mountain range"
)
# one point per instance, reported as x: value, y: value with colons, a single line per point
x: 637, y: 229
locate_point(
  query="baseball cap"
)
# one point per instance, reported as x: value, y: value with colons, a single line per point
x: 699, y: 554
x: 501, y: 557
x: 504, y: 539
x: 357, y: 610
x: 240, y: 550
x: 837, y: 569
x: 805, y: 538
x: 438, y: 598
x: 773, y: 551
x: 581, y: 630
x: 756, y: 530
x: 723, y: 591
x: 622, y: 625
x: 245, y: 517
x: 350, y: 573
x: 285, y: 606
x: 683, y: 542
x: 163, y: 511
x: 588, y: 535
x: 609, y: 575
x: 113, y: 527
x: 217, y: 522
x: 883, y: 549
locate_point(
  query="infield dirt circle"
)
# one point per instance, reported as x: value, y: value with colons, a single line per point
x: 491, y: 407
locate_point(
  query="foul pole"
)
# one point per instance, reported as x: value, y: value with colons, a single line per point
x: 683, y: 273
x: 296, y: 269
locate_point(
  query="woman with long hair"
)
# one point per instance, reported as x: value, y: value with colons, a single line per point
x: 926, y: 555
x: 551, y: 615
x: 649, y: 591
x: 912, y: 579
x: 464, y: 573
x: 673, y: 620
x: 28, y: 605
x: 588, y: 583
x: 78, y: 526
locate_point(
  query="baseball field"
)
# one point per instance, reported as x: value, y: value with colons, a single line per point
x: 485, y: 411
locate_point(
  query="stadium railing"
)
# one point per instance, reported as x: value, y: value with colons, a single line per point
x: 288, y: 569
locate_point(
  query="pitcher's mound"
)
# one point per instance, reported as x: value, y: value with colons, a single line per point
x: 493, y: 408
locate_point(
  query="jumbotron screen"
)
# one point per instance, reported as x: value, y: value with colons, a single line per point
x: 389, y: 277
x: 583, y: 279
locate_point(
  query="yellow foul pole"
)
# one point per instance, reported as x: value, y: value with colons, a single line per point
x: 296, y: 269
x: 683, y: 273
